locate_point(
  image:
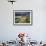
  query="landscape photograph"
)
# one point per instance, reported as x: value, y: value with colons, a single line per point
x: 22, y: 17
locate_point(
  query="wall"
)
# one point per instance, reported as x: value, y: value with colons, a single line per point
x: 37, y: 31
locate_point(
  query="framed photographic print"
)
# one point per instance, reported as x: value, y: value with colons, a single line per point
x: 22, y: 17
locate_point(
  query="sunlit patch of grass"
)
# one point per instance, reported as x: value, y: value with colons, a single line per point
x: 22, y: 19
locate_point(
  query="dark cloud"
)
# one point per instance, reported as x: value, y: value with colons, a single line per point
x: 22, y: 13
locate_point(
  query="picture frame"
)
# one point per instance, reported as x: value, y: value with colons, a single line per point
x: 22, y: 17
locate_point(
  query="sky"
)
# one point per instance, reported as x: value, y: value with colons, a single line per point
x: 22, y: 14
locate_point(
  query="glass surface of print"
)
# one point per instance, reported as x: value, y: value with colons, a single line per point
x: 22, y: 17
